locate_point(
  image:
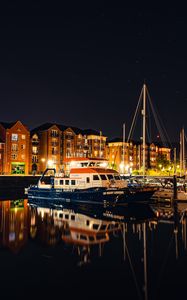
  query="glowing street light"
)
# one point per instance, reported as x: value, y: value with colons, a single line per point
x: 50, y: 163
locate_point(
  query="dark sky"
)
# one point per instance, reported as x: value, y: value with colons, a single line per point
x: 85, y: 65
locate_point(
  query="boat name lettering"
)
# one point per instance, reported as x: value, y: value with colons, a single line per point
x: 113, y: 192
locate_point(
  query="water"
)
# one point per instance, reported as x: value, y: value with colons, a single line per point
x: 90, y: 252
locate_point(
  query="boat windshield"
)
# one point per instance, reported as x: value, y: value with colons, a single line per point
x: 103, y: 177
x: 116, y: 177
x: 110, y: 176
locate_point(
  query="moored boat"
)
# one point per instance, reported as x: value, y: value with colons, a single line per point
x: 87, y: 183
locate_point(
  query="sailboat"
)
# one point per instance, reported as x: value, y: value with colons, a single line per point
x: 167, y: 193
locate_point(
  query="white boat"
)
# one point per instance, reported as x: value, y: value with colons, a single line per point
x: 88, y: 182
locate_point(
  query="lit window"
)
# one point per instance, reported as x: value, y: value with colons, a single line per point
x: 14, y: 137
x: 14, y: 147
x: 23, y: 136
x: 34, y: 149
x: 22, y: 147
x: 14, y: 156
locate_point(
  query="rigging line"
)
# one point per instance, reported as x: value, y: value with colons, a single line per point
x: 159, y: 124
x: 148, y: 128
x: 162, y: 126
x: 133, y: 273
x: 135, y: 115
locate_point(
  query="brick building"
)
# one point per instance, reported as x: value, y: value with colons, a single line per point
x: 2, y: 145
x: 16, y: 139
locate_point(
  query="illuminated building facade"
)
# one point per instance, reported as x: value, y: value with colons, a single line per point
x: 127, y: 157
x: 14, y: 224
x: 2, y: 145
x: 16, y: 139
x: 51, y: 144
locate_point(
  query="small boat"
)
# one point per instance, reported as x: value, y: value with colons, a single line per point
x: 86, y: 183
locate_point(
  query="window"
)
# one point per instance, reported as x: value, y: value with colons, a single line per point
x: 61, y: 182
x: 72, y: 182
x: 14, y: 156
x: 23, y: 136
x: 14, y: 137
x: 95, y: 226
x: 83, y: 237
x: 87, y: 179
x: 103, y: 177
x: 14, y: 147
x: 95, y: 177
x: 72, y: 217
x: 23, y: 147
x: 23, y: 156
x: 66, y: 182
x: 117, y: 177
x: 34, y: 149
x: 34, y: 159
x: 54, y: 133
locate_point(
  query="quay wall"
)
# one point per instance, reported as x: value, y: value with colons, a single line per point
x: 12, y: 186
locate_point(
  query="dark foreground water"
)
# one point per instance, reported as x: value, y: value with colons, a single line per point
x: 88, y: 252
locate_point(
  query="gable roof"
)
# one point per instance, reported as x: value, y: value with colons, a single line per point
x: 46, y: 126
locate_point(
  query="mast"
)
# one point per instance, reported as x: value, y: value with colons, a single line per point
x: 100, y: 156
x: 144, y: 126
x: 123, y: 159
x: 183, y: 152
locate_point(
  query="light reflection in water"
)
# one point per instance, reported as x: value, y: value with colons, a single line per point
x: 87, y: 230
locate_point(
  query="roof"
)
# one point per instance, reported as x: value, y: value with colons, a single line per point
x: 77, y: 130
x: 7, y: 125
x: 46, y: 126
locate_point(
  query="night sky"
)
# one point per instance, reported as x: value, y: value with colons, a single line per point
x: 85, y: 65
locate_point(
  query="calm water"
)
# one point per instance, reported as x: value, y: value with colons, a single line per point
x: 86, y: 252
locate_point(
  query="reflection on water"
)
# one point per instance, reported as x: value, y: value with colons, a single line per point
x: 141, y: 247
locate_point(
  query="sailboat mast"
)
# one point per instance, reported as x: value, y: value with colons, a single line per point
x: 144, y: 126
x: 181, y: 159
x: 183, y: 152
x: 123, y: 160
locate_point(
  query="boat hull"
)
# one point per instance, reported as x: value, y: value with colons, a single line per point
x: 91, y: 195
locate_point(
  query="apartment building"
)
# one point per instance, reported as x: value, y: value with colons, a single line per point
x: 126, y: 157
x: 2, y: 145
x: 51, y: 144
x: 16, y: 138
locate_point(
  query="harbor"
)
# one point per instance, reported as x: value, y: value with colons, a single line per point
x: 93, y: 159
